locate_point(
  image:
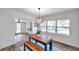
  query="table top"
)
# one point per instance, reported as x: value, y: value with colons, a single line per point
x: 41, y: 38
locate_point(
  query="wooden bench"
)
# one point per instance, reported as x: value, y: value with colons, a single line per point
x: 32, y: 46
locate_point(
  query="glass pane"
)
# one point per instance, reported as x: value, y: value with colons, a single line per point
x: 51, y: 29
x: 18, y: 27
x: 28, y: 26
x: 43, y: 28
x: 63, y: 23
x: 43, y: 24
x: 51, y: 23
x: 16, y: 20
x: 63, y: 31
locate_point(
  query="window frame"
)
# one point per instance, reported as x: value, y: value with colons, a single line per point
x: 17, y: 28
x: 44, y: 26
x: 63, y: 27
x: 51, y: 26
x: 48, y: 26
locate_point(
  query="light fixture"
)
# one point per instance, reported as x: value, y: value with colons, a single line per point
x: 38, y: 19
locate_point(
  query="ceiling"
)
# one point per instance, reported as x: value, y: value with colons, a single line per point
x: 30, y: 13
x: 45, y: 11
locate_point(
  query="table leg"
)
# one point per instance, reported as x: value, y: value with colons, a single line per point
x: 29, y: 38
x: 51, y: 46
x: 24, y: 47
x: 35, y: 41
x: 45, y: 47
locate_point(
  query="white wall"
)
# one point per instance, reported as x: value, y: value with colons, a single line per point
x: 73, y: 38
x: 7, y: 24
x: 7, y: 27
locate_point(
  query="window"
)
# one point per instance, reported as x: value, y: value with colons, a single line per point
x: 58, y: 26
x: 43, y: 26
x: 51, y: 25
x: 63, y: 26
x: 18, y: 27
x: 29, y: 26
x: 63, y: 31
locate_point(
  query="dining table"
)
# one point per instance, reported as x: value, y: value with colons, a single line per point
x: 43, y: 39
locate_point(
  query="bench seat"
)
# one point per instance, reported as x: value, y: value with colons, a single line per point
x: 32, y: 46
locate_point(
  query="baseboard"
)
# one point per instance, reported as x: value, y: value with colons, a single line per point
x: 20, y: 33
x: 66, y: 44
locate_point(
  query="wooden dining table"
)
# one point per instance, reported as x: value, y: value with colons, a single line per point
x: 45, y: 41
